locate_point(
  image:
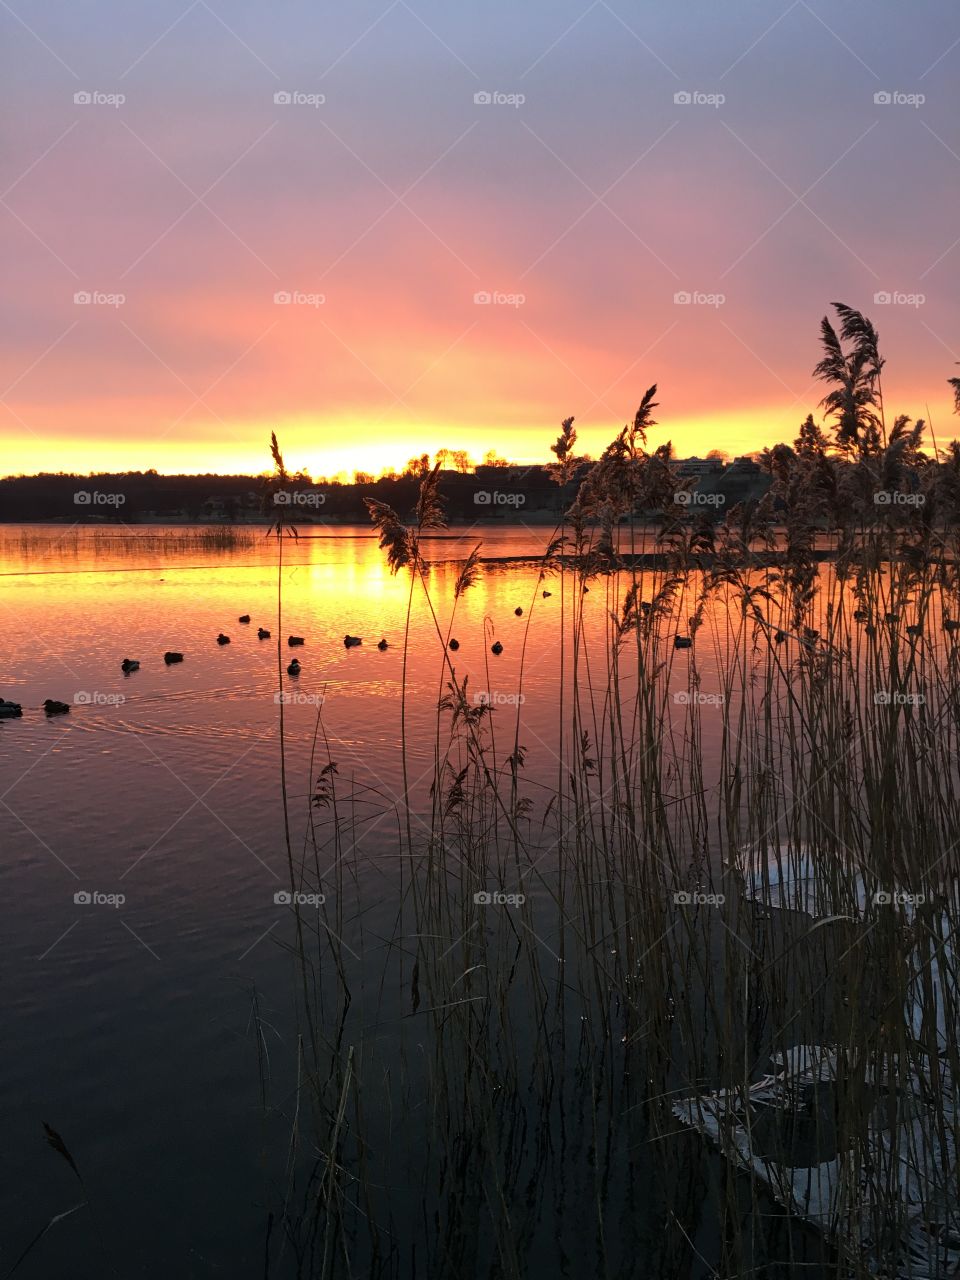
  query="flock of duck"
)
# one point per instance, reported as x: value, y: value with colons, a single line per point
x: 14, y: 710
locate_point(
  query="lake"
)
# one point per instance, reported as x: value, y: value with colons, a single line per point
x: 168, y: 1021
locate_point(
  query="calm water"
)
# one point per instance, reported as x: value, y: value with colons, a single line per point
x: 129, y: 1028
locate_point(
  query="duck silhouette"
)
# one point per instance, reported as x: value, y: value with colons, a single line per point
x: 262, y: 633
x: 496, y: 648
x: 10, y: 710
x: 350, y: 642
x: 128, y: 665
x: 682, y: 642
x: 170, y: 657
x: 454, y: 645
x: 222, y: 639
x: 244, y: 617
x: 54, y: 708
x: 383, y: 645
x: 518, y: 611
x: 294, y: 668
x: 547, y: 595
x: 294, y: 640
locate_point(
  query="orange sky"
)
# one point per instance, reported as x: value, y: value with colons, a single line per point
x: 584, y: 213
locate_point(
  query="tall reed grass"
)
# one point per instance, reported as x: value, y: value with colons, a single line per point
x: 698, y: 863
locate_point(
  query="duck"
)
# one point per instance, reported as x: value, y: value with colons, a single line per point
x: 54, y: 708
x: 914, y: 629
x: 128, y: 665
x: 294, y: 640
x: 682, y: 642
x: 10, y: 710
x: 454, y: 645
x: 518, y: 611
x: 496, y: 648
x: 349, y: 642
x: 294, y: 668
x: 222, y: 639
x: 244, y: 617
x: 383, y: 645
x: 860, y: 615
x: 263, y: 633
x: 547, y: 594
x: 171, y: 657
x: 951, y: 624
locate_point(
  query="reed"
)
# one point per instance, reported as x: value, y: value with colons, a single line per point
x: 715, y: 1033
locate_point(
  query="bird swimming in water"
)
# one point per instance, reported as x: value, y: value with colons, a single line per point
x: 222, y: 639
x: 244, y: 617
x: 128, y: 665
x: 262, y: 633
x: 170, y: 657
x: 54, y: 708
x: 383, y: 645
x: 350, y: 642
x: 496, y: 648
x: 454, y: 645
x: 294, y: 640
x: 294, y: 668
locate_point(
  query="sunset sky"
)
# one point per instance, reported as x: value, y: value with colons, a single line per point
x: 584, y: 197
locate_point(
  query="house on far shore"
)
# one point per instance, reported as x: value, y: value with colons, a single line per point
x: 698, y: 466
